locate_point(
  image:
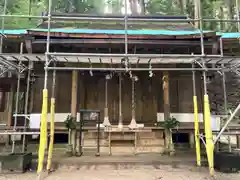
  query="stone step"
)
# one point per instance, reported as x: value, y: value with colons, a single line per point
x: 150, y: 149
x: 131, y: 150
x: 146, y: 142
x: 93, y: 135
x: 93, y: 142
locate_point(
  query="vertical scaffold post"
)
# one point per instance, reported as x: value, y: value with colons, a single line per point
x: 24, y: 145
x: 52, y: 117
x: 43, y: 127
x: 3, y: 25
x: 207, y: 126
x: 196, y: 121
x: 225, y: 105
x: 120, y: 123
x: 16, y: 100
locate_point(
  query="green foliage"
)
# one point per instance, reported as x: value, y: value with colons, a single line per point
x: 70, y: 123
x: 21, y: 7
x: 169, y: 123
x: 78, y: 6
x: 210, y: 9
x: 163, y: 7
x: 115, y: 6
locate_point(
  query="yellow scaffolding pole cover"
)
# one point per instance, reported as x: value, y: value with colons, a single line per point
x: 43, y: 131
x: 196, y: 127
x: 208, y: 135
x: 50, y: 150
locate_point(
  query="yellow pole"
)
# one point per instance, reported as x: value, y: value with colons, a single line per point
x: 208, y: 135
x: 50, y: 150
x: 43, y: 131
x: 196, y: 127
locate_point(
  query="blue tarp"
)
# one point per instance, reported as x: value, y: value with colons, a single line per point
x: 105, y: 31
x: 122, y: 32
x: 232, y: 35
x: 14, y: 32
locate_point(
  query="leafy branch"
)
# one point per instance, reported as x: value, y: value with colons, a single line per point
x: 169, y: 123
x: 70, y: 123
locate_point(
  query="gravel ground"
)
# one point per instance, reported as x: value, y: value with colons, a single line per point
x: 105, y: 172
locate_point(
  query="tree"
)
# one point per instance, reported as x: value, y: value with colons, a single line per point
x: 133, y: 6
x: 114, y: 6
x: 164, y: 7
x: 21, y: 7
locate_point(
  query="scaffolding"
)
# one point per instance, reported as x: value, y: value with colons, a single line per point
x: 200, y: 62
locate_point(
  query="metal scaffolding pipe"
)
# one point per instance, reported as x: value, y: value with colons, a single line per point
x: 19, y: 133
x: 135, y: 55
x: 24, y: 145
x: 237, y: 12
x: 132, y: 69
x: 16, y: 100
x: 226, y: 124
x: 106, y: 18
x: 199, y: 9
x: 95, y: 18
x: 220, y: 20
x: 3, y: 24
x: 225, y: 104
x: 125, y: 27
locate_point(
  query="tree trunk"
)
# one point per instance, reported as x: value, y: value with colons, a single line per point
x: 182, y: 4
x: 197, y: 4
x: 230, y: 6
x: 133, y: 6
x: 143, y: 7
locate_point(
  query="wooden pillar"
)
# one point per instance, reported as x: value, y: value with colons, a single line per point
x: 10, y: 111
x: 10, y: 105
x: 74, y: 108
x: 166, y: 95
x: 166, y: 106
x: 191, y: 140
x: 238, y: 141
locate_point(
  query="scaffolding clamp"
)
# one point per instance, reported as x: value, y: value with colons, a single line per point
x: 150, y: 68
x: 90, y: 71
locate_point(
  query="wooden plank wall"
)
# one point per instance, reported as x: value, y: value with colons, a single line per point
x: 149, y: 94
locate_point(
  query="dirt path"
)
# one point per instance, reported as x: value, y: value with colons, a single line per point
x: 126, y: 173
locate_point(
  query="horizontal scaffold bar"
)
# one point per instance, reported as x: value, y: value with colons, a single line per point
x: 19, y: 133
x: 132, y: 69
x: 129, y: 18
x: 119, y: 58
